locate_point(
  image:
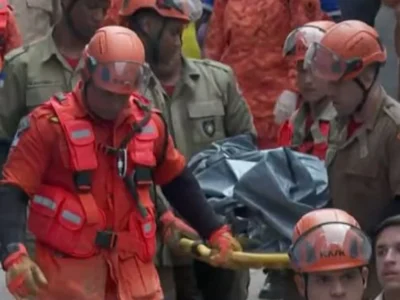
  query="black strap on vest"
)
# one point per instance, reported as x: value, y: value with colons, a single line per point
x: 82, y: 179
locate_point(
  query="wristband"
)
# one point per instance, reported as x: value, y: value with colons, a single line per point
x: 14, y: 253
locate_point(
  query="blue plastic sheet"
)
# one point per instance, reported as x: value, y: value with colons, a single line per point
x: 262, y: 194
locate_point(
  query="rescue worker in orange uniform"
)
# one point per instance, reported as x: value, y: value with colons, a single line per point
x: 307, y: 130
x: 330, y: 254
x: 86, y: 163
x: 9, y: 32
x: 363, y: 159
x: 248, y: 36
x: 202, y: 104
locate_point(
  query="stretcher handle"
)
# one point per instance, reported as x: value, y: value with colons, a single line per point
x: 195, y: 247
x: 274, y: 259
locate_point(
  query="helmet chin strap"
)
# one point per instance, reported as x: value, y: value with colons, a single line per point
x: 85, y: 97
x: 67, y: 15
x: 365, y: 90
x: 151, y: 44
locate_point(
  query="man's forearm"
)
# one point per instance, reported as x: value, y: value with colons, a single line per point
x: 4, y: 149
x: 186, y: 196
x: 13, y: 205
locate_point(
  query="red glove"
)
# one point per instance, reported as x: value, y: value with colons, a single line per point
x: 23, y: 276
x: 173, y: 229
x: 222, y: 240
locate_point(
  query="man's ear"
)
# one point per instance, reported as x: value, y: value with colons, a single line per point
x: 367, y: 75
x: 146, y: 24
x: 149, y: 22
x: 364, y: 275
x: 301, y: 284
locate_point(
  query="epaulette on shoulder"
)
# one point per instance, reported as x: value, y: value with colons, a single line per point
x: 213, y: 64
x: 13, y: 54
x: 393, y: 111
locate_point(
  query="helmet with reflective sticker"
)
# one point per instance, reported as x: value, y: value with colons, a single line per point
x: 328, y: 240
x: 345, y: 51
x: 115, y: 60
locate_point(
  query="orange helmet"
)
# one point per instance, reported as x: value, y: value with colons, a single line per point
x: 185, y: 10
x: 115, y: 60
x: 345, y: 51
x: 299, y: 39
x: 328, y: 240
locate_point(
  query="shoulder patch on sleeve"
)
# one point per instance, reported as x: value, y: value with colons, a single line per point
x: 23, y: 125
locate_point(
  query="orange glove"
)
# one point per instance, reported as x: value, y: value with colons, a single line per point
x: 225, y: 243
x: 23, y: 276
x: 173, y: 229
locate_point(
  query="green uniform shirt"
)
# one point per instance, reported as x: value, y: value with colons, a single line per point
x: 364, y: 168
x: 33, y: 73
x: 206, y: 106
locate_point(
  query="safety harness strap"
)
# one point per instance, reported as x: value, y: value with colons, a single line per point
x: 80, y: 139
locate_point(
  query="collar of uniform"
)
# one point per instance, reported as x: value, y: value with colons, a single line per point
x: 77, y: 93
x: 153, y: 81
x: 189, y: 69
x: 49, y: 50
x: 381, y: 96
x: 326, y: 112
x: 49, y: 47
x: 189, y: 73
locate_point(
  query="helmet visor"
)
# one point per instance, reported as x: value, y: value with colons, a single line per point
x: 298, y: 40
x: 331, y: 246
x: 121, y: 77
x: 327, y: 65
x: 192, y: 9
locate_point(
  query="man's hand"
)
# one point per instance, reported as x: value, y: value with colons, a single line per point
x: 224, y: 243
x: 173, y: 229
x: 23, y: 276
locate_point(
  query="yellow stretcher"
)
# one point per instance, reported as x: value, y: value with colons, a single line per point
x: 244, y: 260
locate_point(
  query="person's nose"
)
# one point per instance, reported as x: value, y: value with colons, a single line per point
x: 390, y: 257
x: 308, y: 77
x: 337, y: 289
